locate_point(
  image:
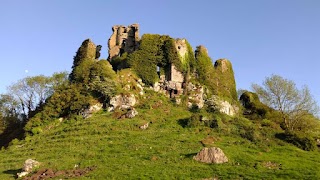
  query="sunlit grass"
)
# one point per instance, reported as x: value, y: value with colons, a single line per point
x: 120, y: 150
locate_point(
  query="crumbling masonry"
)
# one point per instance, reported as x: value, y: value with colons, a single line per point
x: 126, y: 39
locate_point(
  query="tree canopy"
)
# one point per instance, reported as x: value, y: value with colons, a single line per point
x: 296, y: 106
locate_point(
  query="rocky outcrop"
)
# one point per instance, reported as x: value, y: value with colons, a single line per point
x: 211, y: 155
x: 28, y: 166
x: 122, y: 101
x: 92, y: 109
x: 124, y: 39
x: 224, y: 81
x: 217, y: 104
x: 226, y: 108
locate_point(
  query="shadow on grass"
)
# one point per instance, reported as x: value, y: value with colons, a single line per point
x: 190, y: 155
x: 183, y: 122
x: 12, y: 172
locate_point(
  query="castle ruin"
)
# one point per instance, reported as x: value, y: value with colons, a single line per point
x: 124, y: 39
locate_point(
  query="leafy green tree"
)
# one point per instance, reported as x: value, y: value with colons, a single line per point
x: 58, y: 79
x: 30, y: 92
x: 294, y: 105
x: 9, y: 110
x: 9, y: 106
x: 11, y: 124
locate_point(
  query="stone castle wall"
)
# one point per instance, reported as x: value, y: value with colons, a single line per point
x: 124, y: 39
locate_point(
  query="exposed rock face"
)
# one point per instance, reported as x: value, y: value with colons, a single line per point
x: 92, y: 109
x: 28, y: 165
x: 211, y: 155
x: 217, y: 104
x: 227, y: 108
x: 122, y: 102
x: 124, y: 39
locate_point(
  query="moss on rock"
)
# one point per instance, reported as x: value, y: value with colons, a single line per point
x: 82, y: 62
x: 224, y: 81
x: 253, y: 107
x: 218, y: 78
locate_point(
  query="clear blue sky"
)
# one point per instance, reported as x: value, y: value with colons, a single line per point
x: 259, y: 37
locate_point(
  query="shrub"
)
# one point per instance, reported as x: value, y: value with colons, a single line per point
x: 302, y: 141
x: 36, y: 130
x: 212, y: 120
x: 266, y: 122
x: 194, y: 121
x: 120, y: 62
x: 102, y: 82
x: 250, y: 133
x: 212, y: 123
x: 65, y: 101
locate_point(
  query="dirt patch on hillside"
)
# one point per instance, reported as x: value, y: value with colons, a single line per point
x: 49, y: 173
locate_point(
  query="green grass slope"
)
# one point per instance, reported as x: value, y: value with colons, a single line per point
x: 120, y: 150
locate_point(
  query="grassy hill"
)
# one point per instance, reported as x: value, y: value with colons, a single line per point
x: 119, y: 149
x: 111, y: 145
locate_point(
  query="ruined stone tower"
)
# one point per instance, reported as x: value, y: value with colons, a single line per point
x: 124, y: 39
